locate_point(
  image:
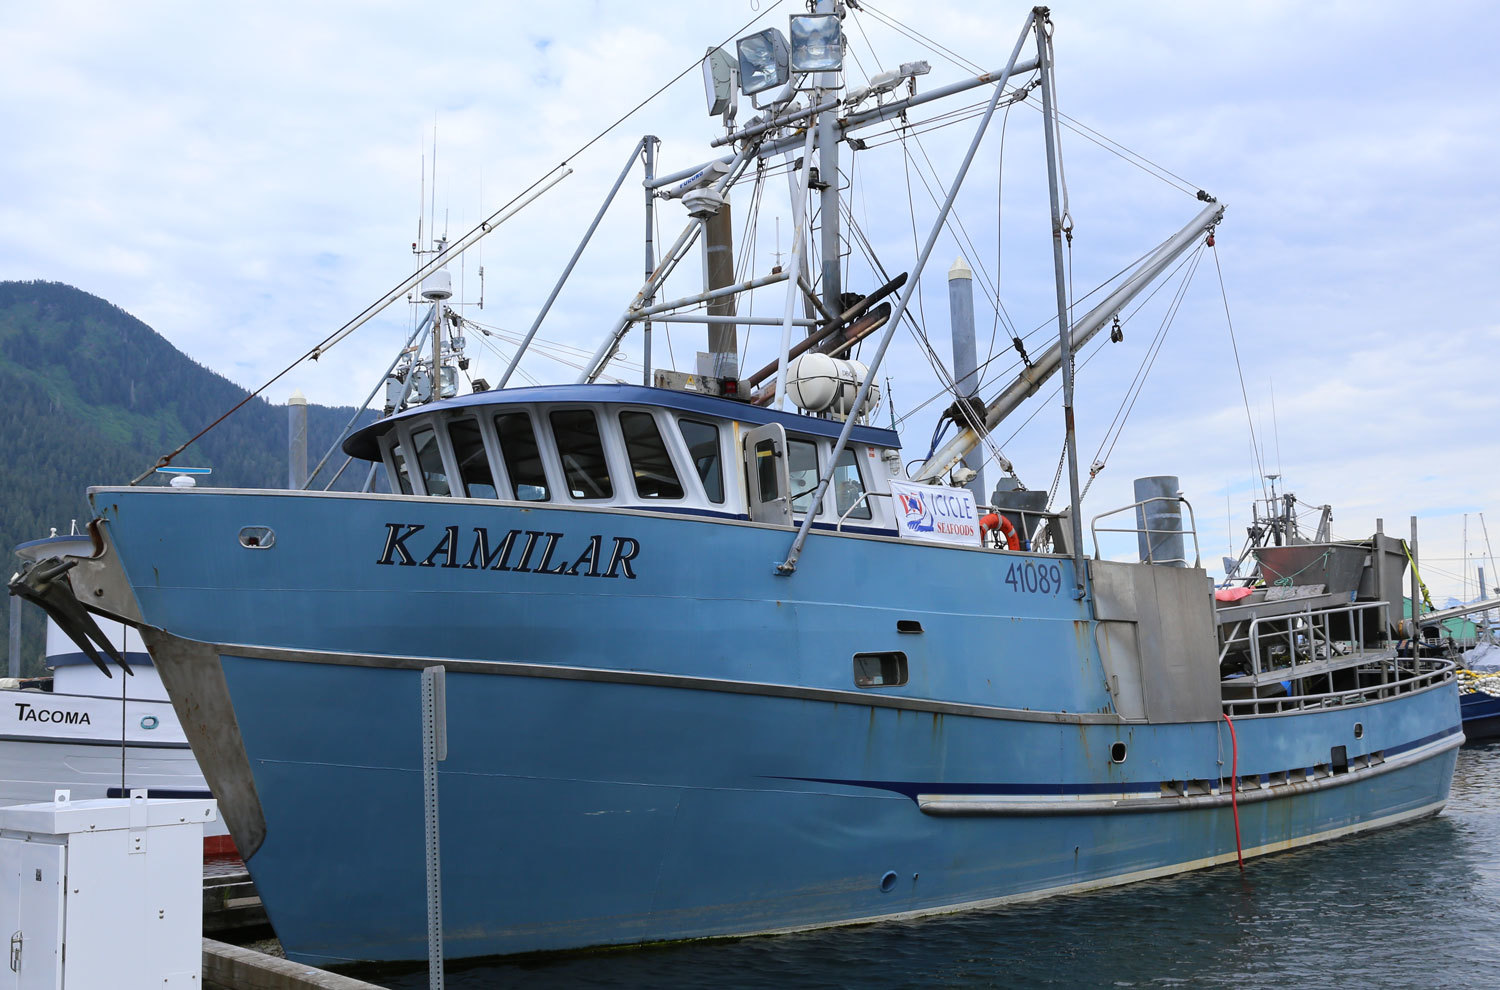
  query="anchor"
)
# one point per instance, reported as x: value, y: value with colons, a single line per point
x: 38, y: 583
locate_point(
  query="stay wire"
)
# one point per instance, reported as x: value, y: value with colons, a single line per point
x: 1099, y: 346
x: 1013, y: 366
x: 1244, y: 392
x: 900, y: 132
x: 318, y: 350
x: 949, y: 386
x: 1114, y: 147
x: 750, y: 239
x: 1138, y: 384
x: 999, y: 227
x: 1147, y: 361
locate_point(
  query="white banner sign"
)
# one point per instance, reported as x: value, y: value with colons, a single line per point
x: 935, y: 514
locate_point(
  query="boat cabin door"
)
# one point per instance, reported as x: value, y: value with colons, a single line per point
x: 769, y: 487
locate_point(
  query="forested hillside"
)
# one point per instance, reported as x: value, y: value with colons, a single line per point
x: 92, y: 396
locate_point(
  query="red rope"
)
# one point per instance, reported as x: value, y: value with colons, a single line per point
x: 1234, y: 791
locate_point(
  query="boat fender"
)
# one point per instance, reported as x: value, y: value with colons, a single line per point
x: 993, y: 521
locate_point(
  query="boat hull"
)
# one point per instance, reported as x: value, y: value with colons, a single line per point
x: 1481, y: 715
x: 582, y: 812
x: 653, y: 736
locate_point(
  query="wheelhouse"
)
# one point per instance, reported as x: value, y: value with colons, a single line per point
x: 628, y: 446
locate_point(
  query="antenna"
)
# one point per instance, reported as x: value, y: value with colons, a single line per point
x: 433, y: 214
x: 1275, y: 426
x: 481, y: 243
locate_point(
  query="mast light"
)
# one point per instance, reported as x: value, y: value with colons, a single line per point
x: 763, y: 61
x: 817, y: 43
x: 718, y: 80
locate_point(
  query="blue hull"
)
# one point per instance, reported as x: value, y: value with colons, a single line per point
x: 1481, y: 716
x: 680, y: 751
x: 578, y: 813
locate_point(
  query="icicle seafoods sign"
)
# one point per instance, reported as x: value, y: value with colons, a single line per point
x: 935, y: 514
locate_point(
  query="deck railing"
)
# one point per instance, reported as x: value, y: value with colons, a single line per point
x: 1148, y: 532
x: 1307, y: 633
x: 1396, y: 676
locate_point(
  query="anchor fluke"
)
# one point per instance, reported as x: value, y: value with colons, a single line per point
x: 37, y: 582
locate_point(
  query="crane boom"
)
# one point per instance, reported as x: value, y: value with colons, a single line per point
x: 1032, y: 378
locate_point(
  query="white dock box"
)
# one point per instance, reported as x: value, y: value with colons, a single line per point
x: 102, y: 893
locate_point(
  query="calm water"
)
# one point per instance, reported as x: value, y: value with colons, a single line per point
x: 1412, y: 906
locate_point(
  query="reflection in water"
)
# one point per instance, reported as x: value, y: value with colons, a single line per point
x: 1417, y: 905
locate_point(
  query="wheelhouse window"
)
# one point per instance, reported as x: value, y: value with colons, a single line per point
x: 702, y: 441
x: 582, y: 453
x: 398, y: 460
x: 430, y: 460
x: 523, y: 459
x: 473, y: 463
x: 847, y: 487
x: 802, y: 463
x: 650, y: 464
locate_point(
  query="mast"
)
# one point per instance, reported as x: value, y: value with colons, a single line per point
x: 789, y: 565
x: 1064, y: 330
x: 799, y: 242
x: 439, y: 322
x: 649, y: 143
x: 828, y: 180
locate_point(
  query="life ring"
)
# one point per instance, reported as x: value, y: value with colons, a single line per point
x: 994, y: 521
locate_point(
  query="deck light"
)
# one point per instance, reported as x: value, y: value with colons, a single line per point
x: 718, y: 80
x: 763, y: 61
x: 817, y: 43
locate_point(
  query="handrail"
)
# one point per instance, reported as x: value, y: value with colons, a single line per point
x: 1404, y: 683
x: 1094, y: 530
x: 1311, y: 629
x: 855, y: 504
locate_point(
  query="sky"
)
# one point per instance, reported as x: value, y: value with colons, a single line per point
x: 245, y: 179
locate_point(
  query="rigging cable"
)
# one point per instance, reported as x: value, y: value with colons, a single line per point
x: 1488, y: 552
x: 948, y: 384
x: 338, y: 335
x: 1098, y: 347
x: 1254, y: 445
x: 961, y: 407
x: 749, y: 241
x: 999, y: 244
x: 900, y: 133
x: 1137, y: 384
x: 1109, y: 144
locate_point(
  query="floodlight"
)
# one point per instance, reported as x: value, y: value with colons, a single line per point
x: 718, y: 80
x: 817, y: 43
x: 763, y: 61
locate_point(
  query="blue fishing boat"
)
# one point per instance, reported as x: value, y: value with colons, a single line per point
x: 1481, y: 714
x: 717, y: 667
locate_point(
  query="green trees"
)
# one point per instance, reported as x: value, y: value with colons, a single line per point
x: 92, y: 396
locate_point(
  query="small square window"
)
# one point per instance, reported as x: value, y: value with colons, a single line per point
x: 879, y: 669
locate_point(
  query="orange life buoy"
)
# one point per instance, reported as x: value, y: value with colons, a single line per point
x: 994, y: 521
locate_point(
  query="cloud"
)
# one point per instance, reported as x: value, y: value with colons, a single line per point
x: 247, y: 179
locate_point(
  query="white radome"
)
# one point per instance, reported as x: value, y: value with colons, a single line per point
x: 819, y: 383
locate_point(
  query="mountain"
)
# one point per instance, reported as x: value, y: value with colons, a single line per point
x: 93, y: 396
